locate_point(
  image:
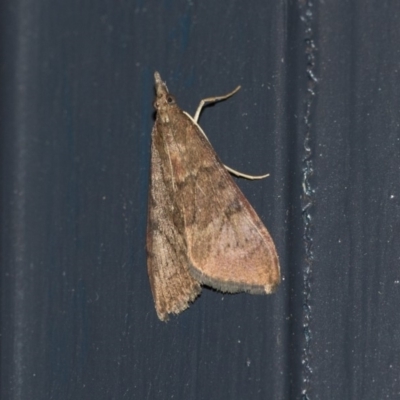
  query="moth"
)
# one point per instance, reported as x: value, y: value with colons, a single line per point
x: 201, y: 229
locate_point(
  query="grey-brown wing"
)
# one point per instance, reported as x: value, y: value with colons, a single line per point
x: 228, y: 246
x: 172, y: 285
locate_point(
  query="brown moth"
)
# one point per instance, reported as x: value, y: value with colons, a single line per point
x: 201, y: 229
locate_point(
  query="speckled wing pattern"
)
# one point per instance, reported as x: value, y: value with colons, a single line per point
x: 201, y: 228
x: 172, y: 285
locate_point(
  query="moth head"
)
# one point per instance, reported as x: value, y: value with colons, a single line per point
x: 163, y: 99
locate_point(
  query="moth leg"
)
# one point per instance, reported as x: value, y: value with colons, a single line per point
x: 196, y: 118
x: 242, y: 175
x: 212, y: 100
